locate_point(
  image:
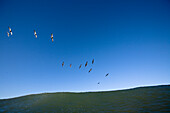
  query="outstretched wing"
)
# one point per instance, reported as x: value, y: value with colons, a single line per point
x: 8, y: 34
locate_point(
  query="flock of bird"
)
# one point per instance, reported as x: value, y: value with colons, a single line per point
x: 35, y: 34
x: 81, y: 65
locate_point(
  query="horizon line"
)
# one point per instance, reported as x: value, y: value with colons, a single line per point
x: 90, y: 91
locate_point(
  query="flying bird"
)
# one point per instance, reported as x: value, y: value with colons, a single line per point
x: 86, y: 64
x: 92, y: 61
x: 107, y: 74
x: 98, y: 83
x: 35, y: 34
x: 90, y: 70
x: 52, y: 37
x: 70, y: 65
x: 80, y: 66
x: 8, y: 34
x: 10, y: 30
x: 62, y: 64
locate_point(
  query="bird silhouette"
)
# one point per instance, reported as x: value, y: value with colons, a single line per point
x: 93, y: 61
x: 86, y: 63
x: 107, y: 74
x: 90, y: 70
x: 35, y: 34
x: 80, y: 66
x: 10, y: 30
x: 62, y: 64
x: 52, y: 37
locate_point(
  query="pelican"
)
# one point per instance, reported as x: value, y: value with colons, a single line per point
x: 62, y: 64
x: 92, y: 61
x: 8, y: 34
x: 86, y: 64
x: 80, y: 66
x: 90, y: 70
x: 52, y: 37
x: 35, y: 34
x: 107, y: 74
x: 70, y: 65
x: 10, y: 30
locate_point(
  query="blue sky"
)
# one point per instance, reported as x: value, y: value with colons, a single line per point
x: 128, y: 39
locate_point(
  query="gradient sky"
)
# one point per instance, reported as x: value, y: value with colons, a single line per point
x: 130, y: 39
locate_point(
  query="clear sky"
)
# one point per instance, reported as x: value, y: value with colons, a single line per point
x: 130, y: 39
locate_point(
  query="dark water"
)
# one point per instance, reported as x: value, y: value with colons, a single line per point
x: 154, y: 99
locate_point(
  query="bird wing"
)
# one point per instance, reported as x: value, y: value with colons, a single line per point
x: 8, y: 34
x: 51, y: 36
x: 9, y: 29
x: 35, y: 32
